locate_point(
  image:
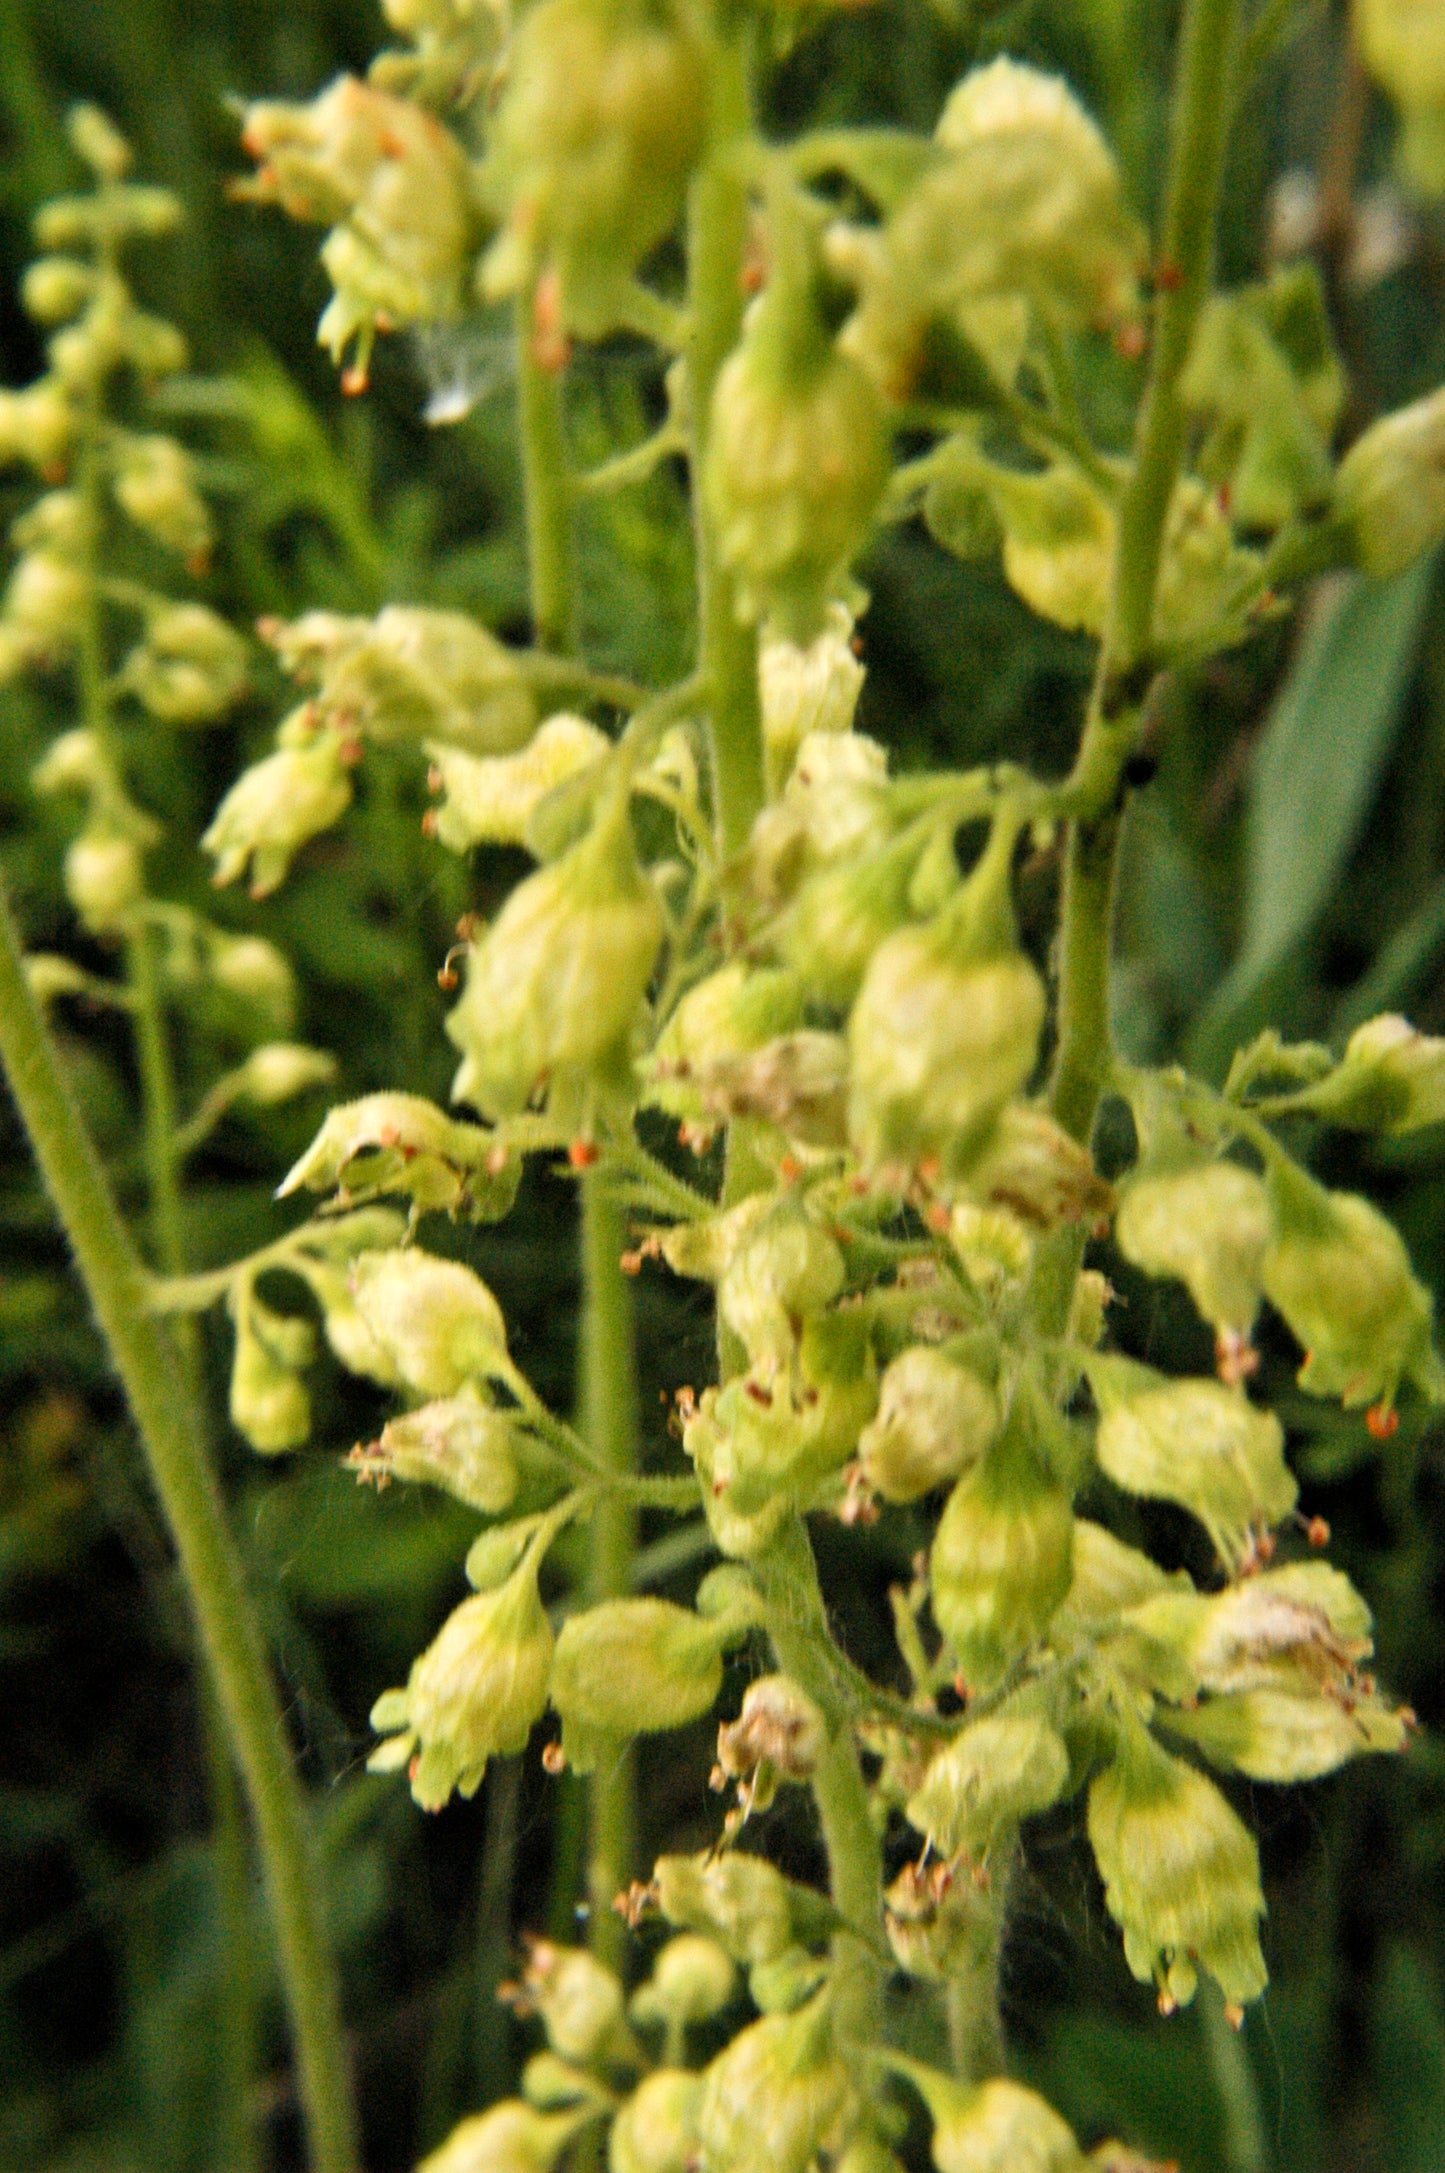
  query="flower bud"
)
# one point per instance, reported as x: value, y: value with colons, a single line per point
x: 580, y: 2002
x: 655, y: 2131
x: 945, y: 1028
x: 980, y: 1786
x: 510, y: 2137
x: 46, y: 603
x: 347, y: 1333
x: 1288, y: 1735
x: 1195, y: 1442
x: 552, y: 2084
x: 395, y: 179
x: 776, y: 2096
x: 191, y: 667
x: 1207, y: 1226
x: 280, y: 1070
x: 1002, y: 1553
x: 841, y: 915
x: 796, y: 462
x: 786, y: 1269
x: 692, y: 1980
x: 726, y: 1015
x: 255, y: 973
x: 1390, y: 488
x: 473, y: 1694
x: 1180, y: 1872
x: 95, y: 138
x: 1110, y: 1576
x: 993, y: 1247
x: 807, y: 690
x: 401, y: 1143
x: 779, y: 1735
x: 1058, y: 542
x: 50, y: 975
x: 634, y: 1667
x: 1288, y: 1628
x: 1026, y: 202
x: 438, y: 1320
x: 935, y: 1420
x: 155, y: 485
x: 36, y: 426
x: 797, y: 1082
x: 268, y: 1402
x: 413, y: 673
x: 1088, y: 1307
x: 602, y: 118
x: 1030, y: 1164
x: 273, y: 809
x: 75, y: 762
x: 458, y: 1442
x: 1340, y: 1276
x: 104, y: 879
x: 490, y: 799
x: 997, y: 2127
x: 555, y: 984
x: 939, y: 1925
x: 54, y: 289
x: 742, y: 1902
x: 765, y: 1442
x: 1390, y: 1079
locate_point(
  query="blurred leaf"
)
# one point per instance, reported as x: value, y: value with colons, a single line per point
x: 1314, y: 774
x: 1409, y: 2034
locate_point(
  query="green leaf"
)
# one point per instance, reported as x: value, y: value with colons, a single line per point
x: 1313, y: 778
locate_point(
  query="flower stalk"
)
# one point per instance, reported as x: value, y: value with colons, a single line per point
x: 230, y: 1640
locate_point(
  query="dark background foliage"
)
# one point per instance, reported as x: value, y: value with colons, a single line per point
x: 1287, y: 864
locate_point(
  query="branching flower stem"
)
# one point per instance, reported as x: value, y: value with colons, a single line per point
x: 1200, y: 116
x: 607, y: 1361
x: 215, y: 1585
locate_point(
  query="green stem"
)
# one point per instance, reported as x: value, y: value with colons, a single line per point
x: 1200, y: 116
x: 238, y: 2141
x: 1246, y: 2144
x: 717, y: 234
x: 798, y: 1628
x: 209, y: 1563
x: 545, y: 490
x: 609, y: 1425
x: 971, y: 2001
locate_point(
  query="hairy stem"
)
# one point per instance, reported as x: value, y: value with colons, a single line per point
x: 971, y: 1995
x: 609, y: 1424
x: 798, y: 1628
x: 717, y: 233
x: 1200, y: 115
x: 229, y: 1637
x: 238, y: 2143
x: 545, y: 490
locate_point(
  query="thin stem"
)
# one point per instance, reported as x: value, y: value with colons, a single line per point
x: 545, y: 490
x: 609, y: 1423
x: 1196, y: 162
x: 717, y: 233
x: 210, y: 1566
x: 798, y: 1628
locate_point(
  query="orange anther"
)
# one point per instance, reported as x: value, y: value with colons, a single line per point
x: 1381, y: 1420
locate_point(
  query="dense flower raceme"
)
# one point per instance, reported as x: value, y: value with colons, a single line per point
x: 859, y: 1012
